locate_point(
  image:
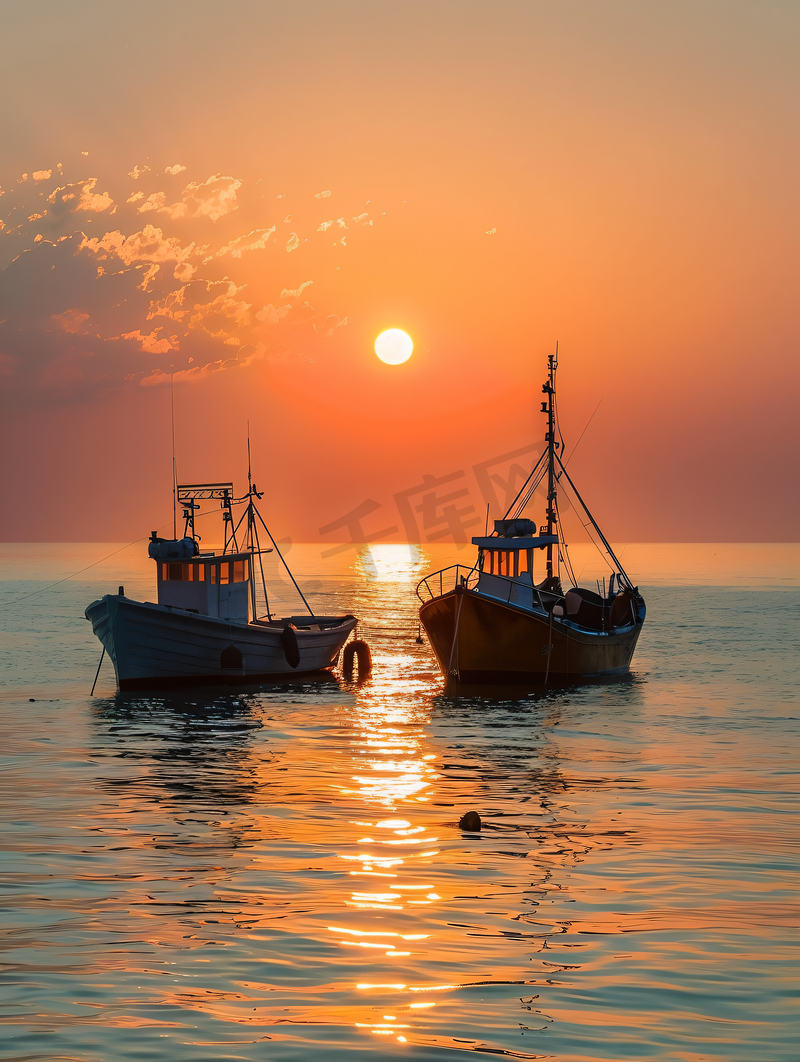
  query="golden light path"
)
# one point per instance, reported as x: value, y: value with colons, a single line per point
x: 394, y: 346
x: 394, y: 771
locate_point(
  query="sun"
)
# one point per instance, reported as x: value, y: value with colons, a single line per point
x: 394, y: 346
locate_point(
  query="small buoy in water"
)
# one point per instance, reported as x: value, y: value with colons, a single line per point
x: 359, y: 650
x: 471, y: 822
x: 31, y: 698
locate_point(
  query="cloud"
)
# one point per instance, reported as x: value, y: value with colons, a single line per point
x: 256, y: 240
x: 71, y: 321
x: 218, y: 316
x: 150, y: 344
x: 148, y: 245
x: 148, y: 277
x: 184, y: 271
x: 212, y: 198
x: 325, y: 226
x: 83, y: 192
x: 273, y: 314
x: 84, y: 313
x: 491, y: 232
x: 289, y: 293
x: 155, y: 201
x: 331, y: 322
x: 170, y: 306
x: 322, y: 195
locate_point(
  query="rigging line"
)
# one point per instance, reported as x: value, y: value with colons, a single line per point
x: 563, y: 548
x: 555, y: 403
x: 82, y: 570
x: 588, y: 422
x: 286, y: 566
x: 261, y: 567
x: 97, y: 673
x: 602, y: 537
x: 520, y: 508
x: 525, y: 484
x: 174, y: 464
x: 108, y: 556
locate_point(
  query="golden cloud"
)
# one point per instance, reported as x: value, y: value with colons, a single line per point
x: 256, y: 240
x: 71, y: 321
x: 87, y: 198
x: 148, y: 245
x: 212, y: 198
x: 151, y: 344
x: 289, y: 293
x: 225, y: 308
x: 169, y: 306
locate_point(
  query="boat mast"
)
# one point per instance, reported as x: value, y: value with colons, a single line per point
x: 548, y: 407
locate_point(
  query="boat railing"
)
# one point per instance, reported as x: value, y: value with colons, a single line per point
x: 503, y: 588
x: 513, y: 591
x: 439, y: 583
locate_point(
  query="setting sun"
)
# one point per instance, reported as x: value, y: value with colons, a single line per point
x: 394, y: 346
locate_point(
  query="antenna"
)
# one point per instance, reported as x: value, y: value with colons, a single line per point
x: 174, y: 465
x: 550, y: 438
x: 250, y: 520
x: 249, y: 473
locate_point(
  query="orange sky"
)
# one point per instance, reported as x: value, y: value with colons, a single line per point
x: 490, y: 177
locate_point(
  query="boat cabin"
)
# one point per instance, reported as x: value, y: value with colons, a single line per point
x: 207, y: 584
x: 508, y: 555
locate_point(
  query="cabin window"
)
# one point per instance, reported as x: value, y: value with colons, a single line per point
x: 183, y: 573
x: 220, y: 573
x: 237, y: 571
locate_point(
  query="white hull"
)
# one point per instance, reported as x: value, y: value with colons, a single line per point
x: 154, y: 646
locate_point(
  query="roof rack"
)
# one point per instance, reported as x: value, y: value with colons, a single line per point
x: 204, y: 492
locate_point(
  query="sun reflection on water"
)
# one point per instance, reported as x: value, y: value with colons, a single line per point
x: 395, y: 773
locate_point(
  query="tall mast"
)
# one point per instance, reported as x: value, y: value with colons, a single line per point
x: 550, y: 438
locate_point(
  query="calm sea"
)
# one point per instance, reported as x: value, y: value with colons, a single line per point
x: 278, y: 873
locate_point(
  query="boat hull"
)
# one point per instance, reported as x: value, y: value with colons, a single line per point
x: 155, y: 647
x: 477, y: 639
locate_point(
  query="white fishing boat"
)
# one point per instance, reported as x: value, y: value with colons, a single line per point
x: 204, y: 628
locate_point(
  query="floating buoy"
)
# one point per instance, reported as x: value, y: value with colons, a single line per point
x: 291, y: 650
x: 359, y: 650
x: 471, y: 822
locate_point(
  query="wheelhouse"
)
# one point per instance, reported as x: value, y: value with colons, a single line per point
x: 207, y: 584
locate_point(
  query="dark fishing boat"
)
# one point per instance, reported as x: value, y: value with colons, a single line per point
x: 495, y: 623
x: 204, y: 628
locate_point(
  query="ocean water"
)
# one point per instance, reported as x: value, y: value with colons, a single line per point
x: 278, y: 873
